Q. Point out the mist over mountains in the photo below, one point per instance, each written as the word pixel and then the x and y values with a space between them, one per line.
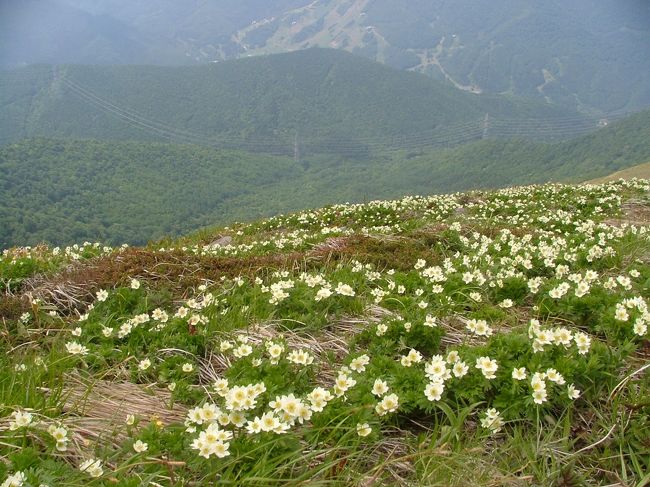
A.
pixel 587 54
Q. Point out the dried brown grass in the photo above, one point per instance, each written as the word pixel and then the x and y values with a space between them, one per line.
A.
pixel 332 340
pixel 75 286
pixel 94 412
pixel 110 402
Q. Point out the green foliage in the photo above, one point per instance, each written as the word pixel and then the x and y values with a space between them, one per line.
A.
pixel 332 101
pixel 63 191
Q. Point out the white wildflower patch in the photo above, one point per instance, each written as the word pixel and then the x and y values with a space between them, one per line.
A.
pixel 522 301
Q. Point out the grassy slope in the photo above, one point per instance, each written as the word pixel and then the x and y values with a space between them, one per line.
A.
pixel 641 171
pixel 599 438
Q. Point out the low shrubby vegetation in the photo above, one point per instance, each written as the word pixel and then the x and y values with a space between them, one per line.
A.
pixel 485 338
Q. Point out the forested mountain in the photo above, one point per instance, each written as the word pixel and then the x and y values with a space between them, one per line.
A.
pixel 64 191
pixel 590 54
pixel 319 100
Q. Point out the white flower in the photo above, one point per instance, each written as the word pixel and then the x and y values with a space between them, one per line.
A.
pixel 640 328
pixel 621 314
pixel 388 404
pixel 319 398
pixel 75 348
pixel 430 321
pixel 188 367
pixel 160 315
pixel 413 357
pixel 539 397
pixel 559 291
pixel 221 386
pixel 519 373
pixel 342 383
pixel 379 388
pixel 144 364
pixel 363 429
pixel 300 357
pixel 140 446
pixel 562 336
pixel 506 303
pixel 492 420
pixel 254 426
pixel 359 364
pixel 59 433
pixel 323 293
pixel 15 480
pixel 76 331
pixel 583 341
pixel 135 284
pixel 130 419
pixel 434 391
pixel 243 350
pixel 344 289
pixel 476 296
pixel 453 357
pixel 20 419
pixel 487 366
pixel 436 369
pixel 582 289
pixel 460 369
pixel 92 467
pixel 479 327
pixel 573 392
pixel 102 294
pixel 554 376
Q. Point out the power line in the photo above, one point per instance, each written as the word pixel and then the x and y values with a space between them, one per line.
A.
pixel 543 129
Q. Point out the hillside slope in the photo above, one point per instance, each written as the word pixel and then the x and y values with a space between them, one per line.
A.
pixel 64 190
pixel 471 339
pixel 61 191
pixel 641 171
pixel 329 99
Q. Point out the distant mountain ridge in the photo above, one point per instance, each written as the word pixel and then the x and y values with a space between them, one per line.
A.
pixel 316 100
pixel 587 54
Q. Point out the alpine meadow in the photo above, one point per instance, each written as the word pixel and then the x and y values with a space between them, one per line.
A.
pixel 324 243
